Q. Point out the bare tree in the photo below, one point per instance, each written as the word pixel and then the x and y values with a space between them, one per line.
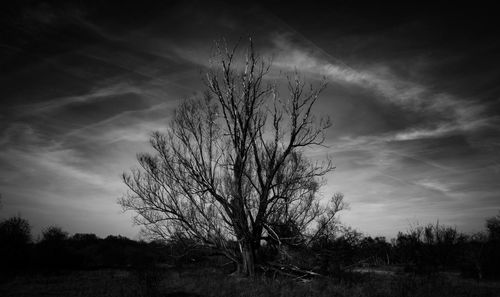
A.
pixel 231 168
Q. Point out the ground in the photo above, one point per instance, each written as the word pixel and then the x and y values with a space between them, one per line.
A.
pixel 214 282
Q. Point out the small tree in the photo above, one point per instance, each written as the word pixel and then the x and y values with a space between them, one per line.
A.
pixel 15 240
pixel 231 166
pixel 54 234
pixel 493 226
pixel 15 232
pixel 53 249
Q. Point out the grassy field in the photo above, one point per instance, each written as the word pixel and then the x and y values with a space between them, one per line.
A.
pixel 213 282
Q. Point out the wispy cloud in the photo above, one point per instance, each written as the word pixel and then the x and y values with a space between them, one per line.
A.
pixel 131 126
pixel 46 156
pixel 92 95
pixel 451 114
pixel 433 185
pixel 48 180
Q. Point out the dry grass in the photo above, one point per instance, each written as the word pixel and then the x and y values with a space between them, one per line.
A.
pixel 213 282
pixel 367 285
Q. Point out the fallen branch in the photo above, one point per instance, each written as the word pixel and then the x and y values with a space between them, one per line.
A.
pixel 291 271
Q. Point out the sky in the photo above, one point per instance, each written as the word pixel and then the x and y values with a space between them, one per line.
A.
pixel 413 93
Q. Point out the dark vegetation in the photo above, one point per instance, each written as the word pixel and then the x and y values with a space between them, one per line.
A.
pixel 424 261
pixel 57 251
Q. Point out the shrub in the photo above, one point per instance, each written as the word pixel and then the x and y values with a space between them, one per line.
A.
pixel 15 238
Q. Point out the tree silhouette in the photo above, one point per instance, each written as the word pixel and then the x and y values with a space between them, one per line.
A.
pixel 53 249
pixel 493 226
pixel 15 240
pixel 54 234
pixel 231 169
pixel 15 232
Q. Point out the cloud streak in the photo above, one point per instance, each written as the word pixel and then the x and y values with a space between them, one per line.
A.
pixel 452 114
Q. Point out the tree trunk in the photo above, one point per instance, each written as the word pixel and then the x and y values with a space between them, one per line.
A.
pixel 247 266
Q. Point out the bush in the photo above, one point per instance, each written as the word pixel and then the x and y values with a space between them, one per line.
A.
pixel 493 226
pixel 15 238
pixel 53 252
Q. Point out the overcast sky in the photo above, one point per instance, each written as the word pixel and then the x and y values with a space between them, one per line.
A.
pixel 413 93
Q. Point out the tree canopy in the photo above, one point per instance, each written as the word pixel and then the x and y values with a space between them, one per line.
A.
pixel 231 170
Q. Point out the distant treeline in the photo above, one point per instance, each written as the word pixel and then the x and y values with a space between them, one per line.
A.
pixel 421 250
pixel 57 251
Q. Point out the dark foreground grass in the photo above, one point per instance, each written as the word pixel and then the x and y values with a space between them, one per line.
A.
pixel 212 282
